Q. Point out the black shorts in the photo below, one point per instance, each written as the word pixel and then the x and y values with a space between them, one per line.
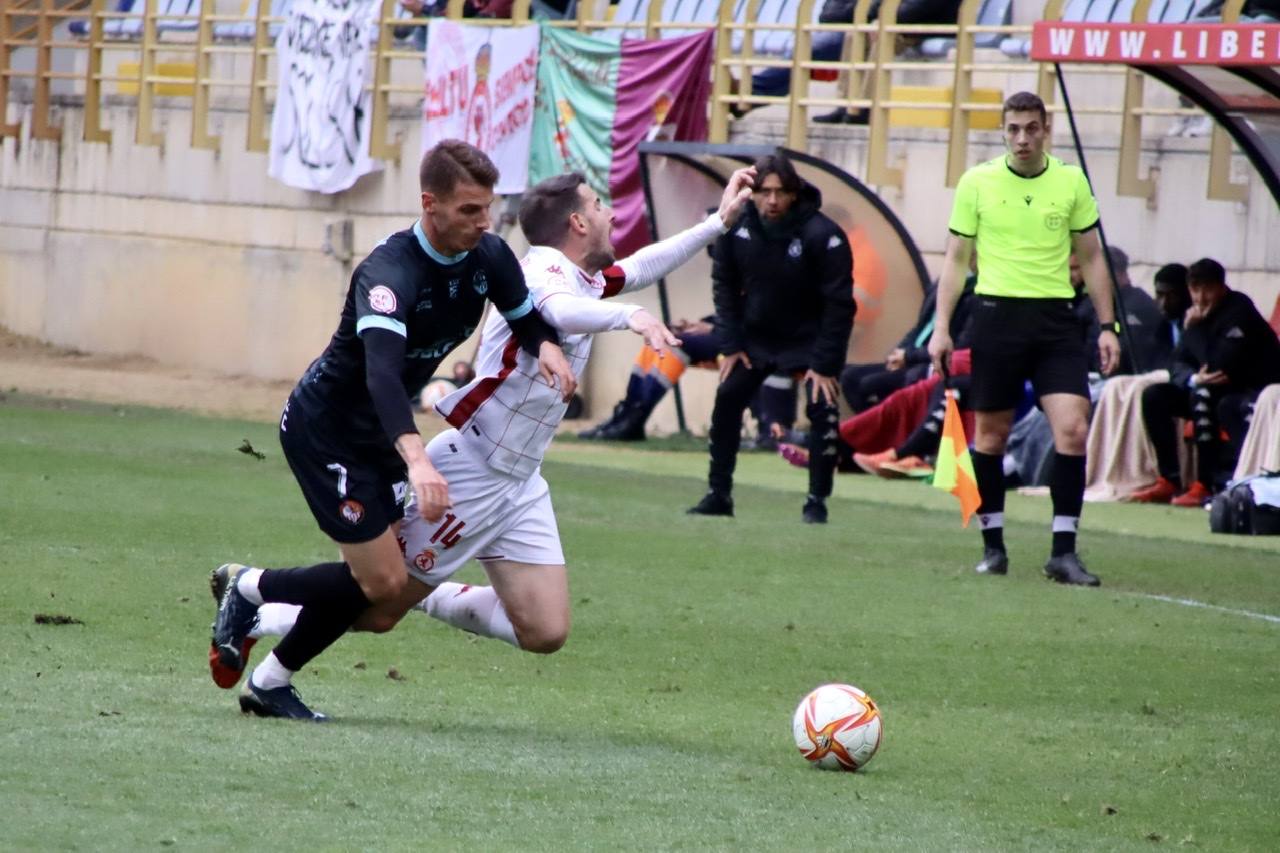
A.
pixel 351 500
pixel 1019 339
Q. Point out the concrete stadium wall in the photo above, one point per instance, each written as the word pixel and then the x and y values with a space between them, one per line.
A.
pixel 198 259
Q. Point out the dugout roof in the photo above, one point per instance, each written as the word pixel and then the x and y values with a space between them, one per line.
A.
pixel 1231 71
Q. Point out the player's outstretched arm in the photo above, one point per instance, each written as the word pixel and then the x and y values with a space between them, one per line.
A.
pixel 653 330
pixel 574 314
pixel 656 261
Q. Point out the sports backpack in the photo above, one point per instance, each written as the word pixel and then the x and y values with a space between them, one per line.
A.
pixel 1250 506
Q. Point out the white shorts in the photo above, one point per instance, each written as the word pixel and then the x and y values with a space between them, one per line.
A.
pixel 494 517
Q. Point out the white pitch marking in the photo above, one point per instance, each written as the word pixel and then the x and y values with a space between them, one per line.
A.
pixel 1191 602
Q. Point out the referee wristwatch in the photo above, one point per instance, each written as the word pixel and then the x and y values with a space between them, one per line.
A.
pixel 1113 326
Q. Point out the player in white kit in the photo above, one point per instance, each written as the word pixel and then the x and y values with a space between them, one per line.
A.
pixel 503 421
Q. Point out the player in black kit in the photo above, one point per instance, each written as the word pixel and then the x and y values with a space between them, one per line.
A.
pixel 348 431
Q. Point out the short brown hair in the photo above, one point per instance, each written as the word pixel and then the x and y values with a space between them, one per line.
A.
pixel 1024 102
pixel 776 164
pixel 546 207
pixel 451 162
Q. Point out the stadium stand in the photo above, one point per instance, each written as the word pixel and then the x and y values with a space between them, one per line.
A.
pixel 243 30
pixel 631 12
pixel 130 27
pixel 767 42
pixel 778 42
pixel 689 12
pixel 993 13
pixel 1112 11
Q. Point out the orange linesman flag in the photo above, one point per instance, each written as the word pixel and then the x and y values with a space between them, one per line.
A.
pixel 954 471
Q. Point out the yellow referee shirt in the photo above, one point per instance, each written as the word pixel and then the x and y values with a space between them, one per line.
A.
pixel 1023 226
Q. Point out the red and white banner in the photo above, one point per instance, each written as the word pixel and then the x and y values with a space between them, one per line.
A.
pixel 479 88
pixel 1156 44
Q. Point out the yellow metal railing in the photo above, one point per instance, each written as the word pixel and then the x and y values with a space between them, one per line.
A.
pixel 867 67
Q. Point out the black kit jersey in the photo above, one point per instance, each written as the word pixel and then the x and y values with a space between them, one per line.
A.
pixel 434 301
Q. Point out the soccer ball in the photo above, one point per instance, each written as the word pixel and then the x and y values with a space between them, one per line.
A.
pixel 837 727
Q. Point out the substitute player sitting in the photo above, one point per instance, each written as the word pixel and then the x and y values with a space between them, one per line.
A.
pixel 1025 213
pixel 503 421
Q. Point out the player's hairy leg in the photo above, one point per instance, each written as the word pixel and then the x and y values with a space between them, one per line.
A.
pixel 385 615
pixel 1068 416
pixel 536 599
pixel 377 566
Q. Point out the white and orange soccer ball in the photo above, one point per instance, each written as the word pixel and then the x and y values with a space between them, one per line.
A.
pixel 837 727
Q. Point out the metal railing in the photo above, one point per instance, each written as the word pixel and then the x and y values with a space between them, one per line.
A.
pixel 867 67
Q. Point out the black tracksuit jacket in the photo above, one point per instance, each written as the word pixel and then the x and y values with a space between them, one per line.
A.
pixel 1235 339
pixel 784 295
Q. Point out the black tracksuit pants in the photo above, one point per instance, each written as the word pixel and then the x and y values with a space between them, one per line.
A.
pixel 732 398
pixel 1208 409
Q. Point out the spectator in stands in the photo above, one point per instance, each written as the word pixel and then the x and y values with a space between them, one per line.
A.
pixel 864 385
pixel 910 12
pixel 824 47
pixel 655 372
pixel 783 288
pixel 416 33
pixel 828 46
pixel 1256 11
pixel 1224 359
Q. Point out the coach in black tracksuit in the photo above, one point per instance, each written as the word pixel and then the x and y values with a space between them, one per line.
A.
pixel 783 287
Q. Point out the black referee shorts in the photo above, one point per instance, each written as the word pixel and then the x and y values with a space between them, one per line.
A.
pixel 351 500
pixel 1019 339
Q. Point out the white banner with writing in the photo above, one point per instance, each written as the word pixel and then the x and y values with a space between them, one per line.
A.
pixel 479 88
pixel 320 126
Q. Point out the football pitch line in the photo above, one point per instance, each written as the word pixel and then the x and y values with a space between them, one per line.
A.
pixel 1191 602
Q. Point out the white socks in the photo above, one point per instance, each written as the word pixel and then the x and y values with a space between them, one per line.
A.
pixel 271 674
pixel 275 620
pixel 247 583
pixel 476 609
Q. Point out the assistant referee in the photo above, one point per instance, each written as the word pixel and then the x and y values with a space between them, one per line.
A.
pixel 1026 213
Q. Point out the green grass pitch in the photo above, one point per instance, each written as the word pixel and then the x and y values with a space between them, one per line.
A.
pixel 1018 715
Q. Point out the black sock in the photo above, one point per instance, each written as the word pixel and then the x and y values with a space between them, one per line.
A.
pixel 331 602
pixel 1066 489
pixel 315 630
pixel 315 586
pixel 988 469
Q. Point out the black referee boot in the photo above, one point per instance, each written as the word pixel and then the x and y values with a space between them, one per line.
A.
pixel 814 512
pixel 994 562
pixel 1068 569
pixel 712 503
